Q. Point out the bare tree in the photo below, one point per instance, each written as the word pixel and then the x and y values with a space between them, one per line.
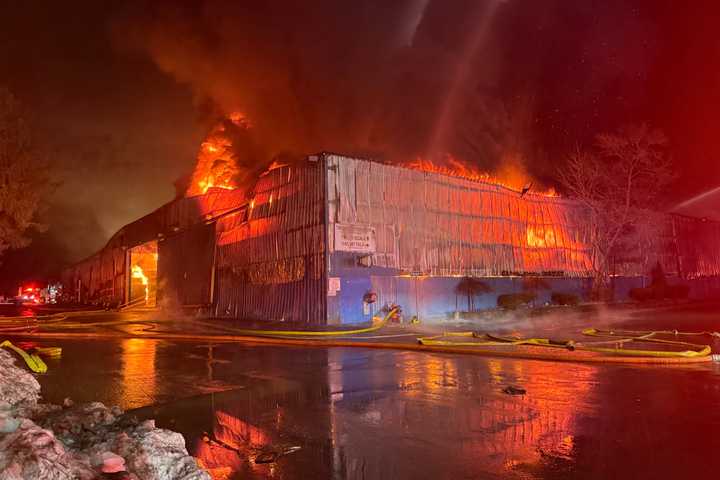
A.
pixel 619 182
pixel 24 176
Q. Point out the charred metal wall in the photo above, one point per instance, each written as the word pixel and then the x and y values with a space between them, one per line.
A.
pixel 312 239
pixel 697 244
pixel 99 278
pixel 184 213
pixel 271 258
pixel 410 236
pixel 442 225
pixel 686 247
pixel 185 266
pixel 188 245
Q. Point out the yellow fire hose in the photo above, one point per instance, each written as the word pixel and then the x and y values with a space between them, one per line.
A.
pixel 50 352
pixel 33 361
pixel 558 355
pixel 602 351
pixel 694 351
pixel 632 333
pixel 378 323
pixel 57 321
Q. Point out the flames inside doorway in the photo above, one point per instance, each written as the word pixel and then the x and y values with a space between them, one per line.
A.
pixel 143 274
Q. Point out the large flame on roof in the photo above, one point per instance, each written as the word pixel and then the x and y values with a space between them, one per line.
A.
pixel 509 175
pixel 216 165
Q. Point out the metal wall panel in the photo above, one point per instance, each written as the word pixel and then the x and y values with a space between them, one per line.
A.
pixel 271 263
pixel 185 266
pixel 697 244
pixel 447 226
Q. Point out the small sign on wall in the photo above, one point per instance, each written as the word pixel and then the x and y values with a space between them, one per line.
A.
pixel 354 238
pixel 333 286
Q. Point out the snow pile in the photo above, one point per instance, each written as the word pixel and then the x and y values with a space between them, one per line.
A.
pixel 158 453
pixel 32 452
pixel 18 388
pixel 81 442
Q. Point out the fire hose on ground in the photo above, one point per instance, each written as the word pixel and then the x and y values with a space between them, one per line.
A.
pixel 608 350
pixel 694 351
pixel 32 360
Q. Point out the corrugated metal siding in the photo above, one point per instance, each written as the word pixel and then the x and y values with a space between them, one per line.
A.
pixel 185 266
pixel 185 212
pixel 103 277
pixel 446 226
pixel 685 247
pixel 270 259
pixel 698 247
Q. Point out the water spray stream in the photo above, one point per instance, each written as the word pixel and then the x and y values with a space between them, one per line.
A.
pixel 697 198
pixel 414 18
pixel 476 40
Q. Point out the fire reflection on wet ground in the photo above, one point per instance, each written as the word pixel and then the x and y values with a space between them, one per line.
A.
pixel 138 371
pixel 354 413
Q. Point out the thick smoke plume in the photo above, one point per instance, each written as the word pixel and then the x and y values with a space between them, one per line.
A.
pixel 365 78
pixel 397 81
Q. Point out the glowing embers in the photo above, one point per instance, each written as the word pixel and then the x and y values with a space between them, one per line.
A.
pixel 216 165
pixel 143 261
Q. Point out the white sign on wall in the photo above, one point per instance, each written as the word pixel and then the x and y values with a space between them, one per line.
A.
pixel 354 238
pixel 333 286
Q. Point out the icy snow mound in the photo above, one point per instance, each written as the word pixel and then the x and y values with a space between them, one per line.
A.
pixel 18 388
pixel 52 442
pixel 32 452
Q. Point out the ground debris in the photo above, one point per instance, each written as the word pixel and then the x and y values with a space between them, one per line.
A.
pixel 267 457
pixel 86 441
pixel 271 456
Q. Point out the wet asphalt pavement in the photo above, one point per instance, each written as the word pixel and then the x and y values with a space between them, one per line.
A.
pixel 360 413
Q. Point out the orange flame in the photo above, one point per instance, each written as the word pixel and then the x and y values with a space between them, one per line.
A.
pixel 540 237
pixel 509 176
pixel 216 166
pixel 137 272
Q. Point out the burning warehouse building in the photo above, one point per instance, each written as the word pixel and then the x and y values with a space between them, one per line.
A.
pixel 166 253
pixel 333 239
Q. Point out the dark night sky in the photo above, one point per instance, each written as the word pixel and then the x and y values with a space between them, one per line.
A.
pixel 122 92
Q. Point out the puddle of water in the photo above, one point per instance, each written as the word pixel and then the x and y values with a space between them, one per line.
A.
pixel 366 414
pixel 371 414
